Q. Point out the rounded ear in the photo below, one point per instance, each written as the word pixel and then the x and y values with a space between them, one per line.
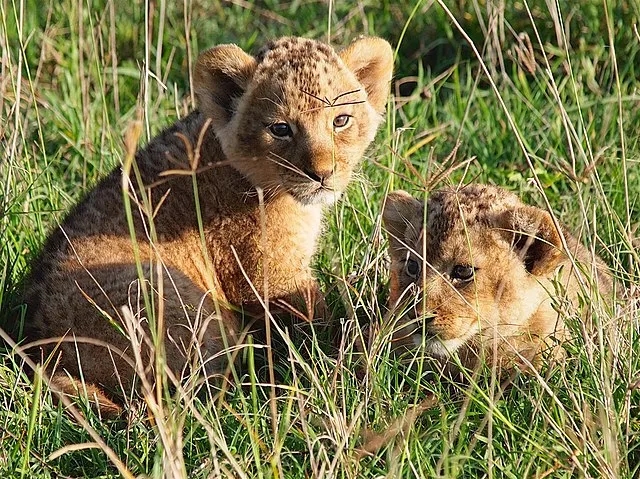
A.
pixel 534 237
pixel 371 60
pixel 402 211
pixel 221 76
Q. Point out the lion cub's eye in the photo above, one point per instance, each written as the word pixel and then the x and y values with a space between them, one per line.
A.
pixel 462 272
pixel 341 121
pixel 412 267
pixel 280 129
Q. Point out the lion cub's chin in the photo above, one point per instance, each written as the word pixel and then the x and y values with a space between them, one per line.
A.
pixel 320 196
pixel 436 347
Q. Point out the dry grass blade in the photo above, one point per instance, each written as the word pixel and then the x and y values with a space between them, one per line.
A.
pixel 73 410
pixel 538 97
pixel 374 441
pixel 72 447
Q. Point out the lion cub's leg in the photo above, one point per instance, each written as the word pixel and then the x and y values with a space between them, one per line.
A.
pixel 115 336
pixel 72 388
pixel 306 303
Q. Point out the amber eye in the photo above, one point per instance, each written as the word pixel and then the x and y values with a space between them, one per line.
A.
pixel 462 272
pixel 412 267
pixel 341 121
pixel 281 129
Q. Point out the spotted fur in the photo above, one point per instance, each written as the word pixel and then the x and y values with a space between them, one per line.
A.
pixel 474 271
pixel 87 270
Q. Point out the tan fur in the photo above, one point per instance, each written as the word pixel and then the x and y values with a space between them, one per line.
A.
pixel 69 386
pixel 506 306
pixel 87 271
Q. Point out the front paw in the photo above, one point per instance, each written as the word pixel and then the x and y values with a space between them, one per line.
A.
pixel 307 304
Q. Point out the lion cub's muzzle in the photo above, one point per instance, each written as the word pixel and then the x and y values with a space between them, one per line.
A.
pixel 318 186
pixel 415 321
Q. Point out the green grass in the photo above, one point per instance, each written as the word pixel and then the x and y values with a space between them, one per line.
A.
pixel 554 116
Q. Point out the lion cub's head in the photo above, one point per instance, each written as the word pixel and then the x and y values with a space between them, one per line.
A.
pixel 298 116
pixel 471 270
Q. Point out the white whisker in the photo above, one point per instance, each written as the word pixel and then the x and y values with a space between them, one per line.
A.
pixel 283 162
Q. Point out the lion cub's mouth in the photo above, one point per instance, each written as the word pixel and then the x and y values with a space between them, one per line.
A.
pixel 437 347
pixel 314 193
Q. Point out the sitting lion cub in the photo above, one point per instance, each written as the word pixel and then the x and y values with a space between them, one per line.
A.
pixel 236 192
pixel 474 271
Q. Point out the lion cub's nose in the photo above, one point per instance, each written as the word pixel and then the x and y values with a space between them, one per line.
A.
pixel 321 176
pixel 428 318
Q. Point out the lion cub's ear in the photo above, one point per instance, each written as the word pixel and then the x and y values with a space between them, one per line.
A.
pixel 371 59
pixel 402 218
pixel 534 237
pixel 221 75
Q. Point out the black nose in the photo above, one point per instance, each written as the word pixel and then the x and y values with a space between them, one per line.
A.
pixel 319 176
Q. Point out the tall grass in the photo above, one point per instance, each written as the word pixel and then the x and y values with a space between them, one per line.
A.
pixel 539 97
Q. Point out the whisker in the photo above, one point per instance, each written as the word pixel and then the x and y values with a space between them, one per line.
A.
pixel 272 190
pixel 344 94
pixel 309 110
pixel 272 100
pixel 355 102
pixel 268 189
pixel 321 100
pixel 316 108
pixel 287 165
pixel 282 158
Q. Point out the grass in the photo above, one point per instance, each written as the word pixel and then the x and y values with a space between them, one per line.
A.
pixel 539 97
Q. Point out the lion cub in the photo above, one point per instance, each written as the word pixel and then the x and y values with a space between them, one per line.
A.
pixel 474 271
pixel 274 140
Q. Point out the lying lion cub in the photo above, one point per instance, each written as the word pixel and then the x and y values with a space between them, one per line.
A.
pixel 474 271
pixel 236 191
